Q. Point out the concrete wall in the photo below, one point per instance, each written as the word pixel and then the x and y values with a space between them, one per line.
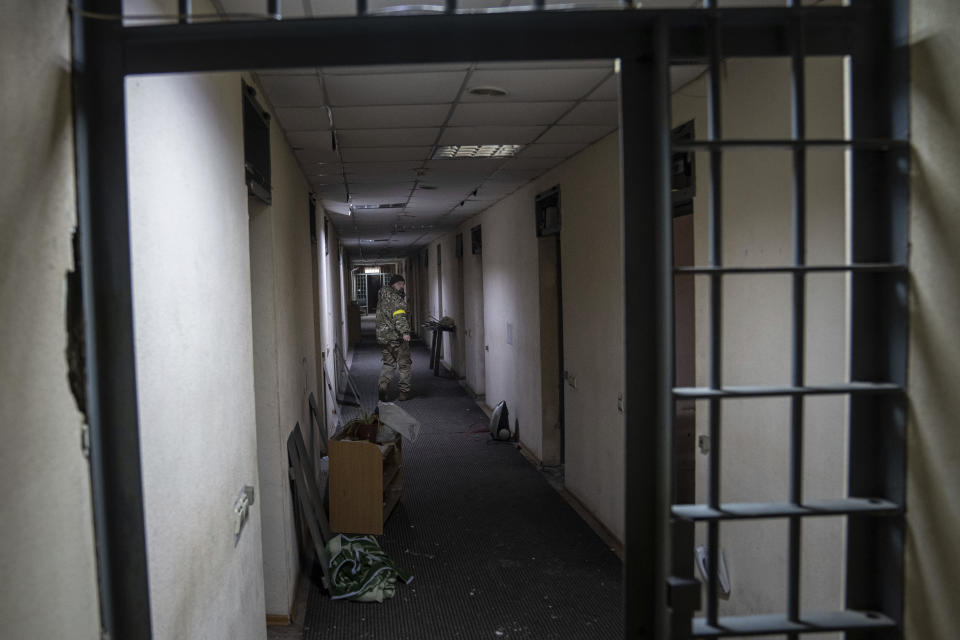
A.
pixel 757 192
pixel 933 446
pixel 193 339
pixel 284 357
pixel 47 556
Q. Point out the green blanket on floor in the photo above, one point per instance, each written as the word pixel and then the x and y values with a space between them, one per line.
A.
pixel 361 571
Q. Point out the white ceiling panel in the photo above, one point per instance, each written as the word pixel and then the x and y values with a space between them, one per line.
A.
pixel 311 156
pixel 684 75
pixel 380 168
pixel 293 91
pixel 514 113
pixel 311 140
pixel 606 113
pixel 584 133
pixel 536 85
pixel 490 135
pixel 471 166
pixel 609 90
pixel 332 192
pixel 392 191
pixel 388 137
pixel 407 88
pixel 533 163
pixel 303 118
pixel 541 150
pixel 395 68
pixel 385 154
pixel 329 8
pixel 546 64
pixel 390 116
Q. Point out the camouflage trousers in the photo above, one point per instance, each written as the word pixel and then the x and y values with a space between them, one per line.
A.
pixel 396 355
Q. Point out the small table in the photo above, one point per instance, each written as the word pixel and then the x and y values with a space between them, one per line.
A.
pixel 436 348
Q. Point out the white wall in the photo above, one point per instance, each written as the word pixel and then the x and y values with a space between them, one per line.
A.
pixel 452 359
pixel 757 192
pixel 47 556
pixel 933 445
pixel 333 315
pixel 194 353
pixel 285 355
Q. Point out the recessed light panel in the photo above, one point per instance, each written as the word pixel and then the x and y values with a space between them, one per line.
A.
pixel 477 151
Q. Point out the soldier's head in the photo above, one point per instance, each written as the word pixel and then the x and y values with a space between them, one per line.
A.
pixel 397 282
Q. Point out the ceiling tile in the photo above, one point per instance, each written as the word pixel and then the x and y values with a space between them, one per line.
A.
pixel 513 113
pixel 311 156
pixel 392 191
pixel 606 113
pixel 609 90
pixel 490 135
pixel 404 88
pixel 327 8
pixel 318 140
pixel 477 166
pixel 606 64
pixel 536 85
pixel 584 133
pixel 540 150
pixel 682 75
pixel 384 154
pixel 303 118
pixel 395 68
pixel 533 163
pixel 293 91
pixel 388 137
pixel 390 116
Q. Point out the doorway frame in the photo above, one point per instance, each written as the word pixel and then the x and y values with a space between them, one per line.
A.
pixel 646 41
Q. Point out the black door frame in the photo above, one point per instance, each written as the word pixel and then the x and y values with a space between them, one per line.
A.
pixel 646 42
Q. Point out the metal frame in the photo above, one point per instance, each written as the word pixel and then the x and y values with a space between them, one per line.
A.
pixel 660 591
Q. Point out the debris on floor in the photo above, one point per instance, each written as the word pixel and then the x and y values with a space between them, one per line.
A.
pixel 361 571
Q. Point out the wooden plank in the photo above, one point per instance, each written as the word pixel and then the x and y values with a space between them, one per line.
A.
pixel 356 487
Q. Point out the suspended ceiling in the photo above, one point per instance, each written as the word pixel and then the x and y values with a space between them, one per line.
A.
pixel 366 136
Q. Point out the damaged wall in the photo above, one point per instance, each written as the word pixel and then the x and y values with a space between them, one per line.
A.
pixel 47 556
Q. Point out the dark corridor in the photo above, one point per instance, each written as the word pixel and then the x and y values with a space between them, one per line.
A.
pixel 494 550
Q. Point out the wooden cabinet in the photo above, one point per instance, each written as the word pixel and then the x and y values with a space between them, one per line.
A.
pixel 366 481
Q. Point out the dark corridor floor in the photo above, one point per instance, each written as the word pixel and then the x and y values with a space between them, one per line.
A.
pixel 495 551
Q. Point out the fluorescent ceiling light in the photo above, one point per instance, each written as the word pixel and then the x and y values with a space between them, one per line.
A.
pixel 477 151
pixel 386 205
pixel 371 269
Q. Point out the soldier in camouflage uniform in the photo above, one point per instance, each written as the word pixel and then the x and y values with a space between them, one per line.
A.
pixel 393 334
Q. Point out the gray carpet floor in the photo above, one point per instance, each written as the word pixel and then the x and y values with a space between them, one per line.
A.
pixel 495 551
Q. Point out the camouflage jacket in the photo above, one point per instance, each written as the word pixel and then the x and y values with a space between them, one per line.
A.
pixel 392 321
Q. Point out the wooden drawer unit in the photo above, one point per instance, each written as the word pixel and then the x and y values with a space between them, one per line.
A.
pixel 366 481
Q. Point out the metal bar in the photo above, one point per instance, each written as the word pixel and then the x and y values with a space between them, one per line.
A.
pixel 852 388
pixel 715 133
pixel 451 6
pixel 878 325
pixel 813 622
pixel 540 35
pixel 108 322
pixel 798 133
pixel 274 10
pixel 821 268
pixel 879 144
pixel 648 411
pixel 184 11
pixel 814 508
